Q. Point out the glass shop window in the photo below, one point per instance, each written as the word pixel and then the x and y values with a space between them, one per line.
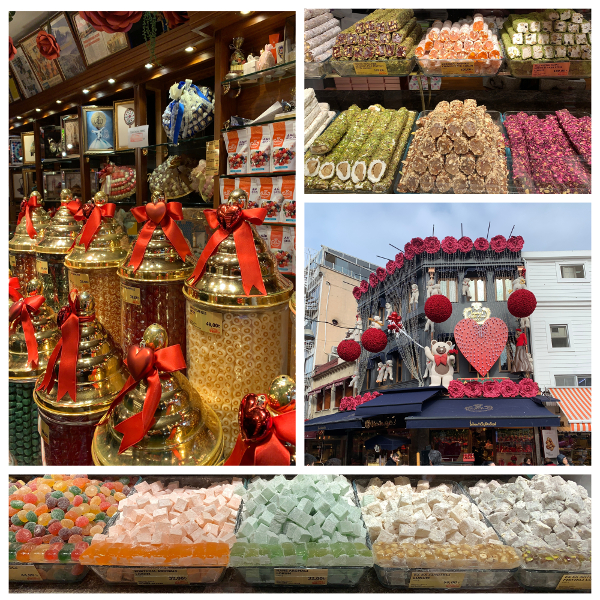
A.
pixel 572 272
pixel 449 288
pixel 559 336
pixel 326 399
pixel 506 357
pixel 503 288
pixel 477 289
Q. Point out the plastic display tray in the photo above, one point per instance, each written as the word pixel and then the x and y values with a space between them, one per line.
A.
pixel 71 572
pixel 393 67
pixel 318 70
pixel 578 69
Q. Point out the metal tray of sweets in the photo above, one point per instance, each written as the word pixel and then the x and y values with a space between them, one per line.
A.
pixel 422 578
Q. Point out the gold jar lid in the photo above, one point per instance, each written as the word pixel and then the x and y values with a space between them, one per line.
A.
pixel 221 284
pixel 293 303
pixel 21 242
pixel 185 432
pixel 107 249
pixel 100 375
pixel 61 231
pixel 47 335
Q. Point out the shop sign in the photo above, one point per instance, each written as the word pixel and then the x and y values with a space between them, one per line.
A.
pixel 371 423
pixel 479 408
pixel 482 424
pixel 550 440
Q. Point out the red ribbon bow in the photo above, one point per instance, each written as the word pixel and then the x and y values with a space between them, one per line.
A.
pixel 269 451
pixel 26 212
pixel 232 219
pixel 165 215
pixel 20 314
pixel 93 223
pixel 74 207
pixel 67 350
pixel 144 363
pixel 13 288
pixel 443 359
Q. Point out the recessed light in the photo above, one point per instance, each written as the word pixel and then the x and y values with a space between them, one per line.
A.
pixel 86 91
pixel 190 49
pixel 38 110
pixel 111 80
pixel 245 12
pixel 59 102
pixel 148 65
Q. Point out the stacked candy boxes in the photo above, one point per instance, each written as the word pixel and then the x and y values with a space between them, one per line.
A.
pixel 307 522
pixel 53 519
pixel 415 527
pixel 160 527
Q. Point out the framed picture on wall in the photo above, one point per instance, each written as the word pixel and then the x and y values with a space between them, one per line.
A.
pixel 70 127
pixel 97 44
pixel 72 180
pixel 24 74
pixel 124 119
pixel 98 131
pixel 28 148
pixel 52 185
pixel 46 71
pixel 15 150
pixel 18 186
pixel 13 90
pixel 70 59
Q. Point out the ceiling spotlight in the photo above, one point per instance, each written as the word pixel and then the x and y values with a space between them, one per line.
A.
pixel 38 110
pixel 148 65
pixel 111 80
pixel 190 49
pixel 59 102
pixel 86 91
pixel 245 12
pixel 19 117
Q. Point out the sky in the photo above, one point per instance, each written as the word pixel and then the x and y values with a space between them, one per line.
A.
pixel 365 230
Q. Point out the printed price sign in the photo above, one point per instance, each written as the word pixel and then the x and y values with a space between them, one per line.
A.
pixel 301 576
pixel 131 295
pixel 12 260
pixel 81 281
pixel 41 266
pixel 370 68
pixel 23 573
pixel 460 68
pixel 436 580
pixel 160 577
pixel 550 69
pixel 207 321
pixel 212 158
pixel 575 582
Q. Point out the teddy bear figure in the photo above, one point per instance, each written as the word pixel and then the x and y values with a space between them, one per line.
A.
pixel 441 371
pixel 354 381
pixel 380 372
pixel 387 371
pixel 376 322
pixel 428 325
pixel 388 310
pixel 357 331
pixel 414 296
pixel 519 284
pixel 524 322
pixel 430 285
pixel 465 289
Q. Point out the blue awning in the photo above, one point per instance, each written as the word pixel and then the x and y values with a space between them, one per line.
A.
pixel 482 412
pixel 397 402
pixel 338 420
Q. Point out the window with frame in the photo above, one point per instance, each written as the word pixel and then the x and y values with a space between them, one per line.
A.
pixel 503 288
pixel 559 336
pixel 326 399
pixel 339 393
pixel 477 289
pixel 506 358
pixel 449 287
pixel 573 380
pixel 319 401
pixel 398 370
pixel 572 271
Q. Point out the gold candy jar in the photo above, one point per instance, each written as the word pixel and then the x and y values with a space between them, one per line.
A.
pixel 187 432
pixel 248 346
pixel 154 293
pixel 23 436
pixel 21 248
pixel 53 245
pixel 95 269
pixel 67 425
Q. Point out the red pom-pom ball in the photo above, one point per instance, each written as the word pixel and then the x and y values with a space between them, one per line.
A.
pixel 521 303
pixel 373 340
pixel 438 308
pixel 348 350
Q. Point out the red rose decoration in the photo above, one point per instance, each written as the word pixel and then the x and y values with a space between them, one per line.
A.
pixel 491 389
pixel 508 388
pixel 498 243
pixel 449 245
pixel 348 350
pixel 47 45
pixel 473 389
pixel 12 51
pixel 175 18
pixel 438 308
pixel 373 280
pixel 456 389
pixel 521 303
pixel 465 244
pixel 399 260
pixel 432 245
pixel 528 388
pixel 381 273
pixel 481 244
pixel 418 245
pixel 357 293
pixel 117 21
pixel 374 340
pixel 390 267
pixel 515 243
pixel 364 286
pixel 409 252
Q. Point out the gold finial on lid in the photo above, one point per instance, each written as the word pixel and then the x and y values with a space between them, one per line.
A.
pixel 155 337
pixel 100 198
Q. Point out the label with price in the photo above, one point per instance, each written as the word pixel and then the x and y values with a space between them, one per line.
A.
pixel 301 576
pixel 131 295
pixel 210 322
pixel 575 582
pixel 460 68
pixel 44 431
pixel 370 68
pixel 441 580
pixel 161 576
pixel 41 266
pixel 550 69
pixel 81 281
pixel 23 573
pixel 12 260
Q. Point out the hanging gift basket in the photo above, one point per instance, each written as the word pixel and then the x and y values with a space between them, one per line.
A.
pixel 118 182
pixel 190 112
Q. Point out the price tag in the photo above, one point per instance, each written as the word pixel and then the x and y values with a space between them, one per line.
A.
pixel 212 158
pixel 575 582
pixel 23 573
pixel 131 295
pixel 41 266
pixel 210 322
pixel 12 260
pixel 301 576
pixel 161 576
pixel 44 430
pixel 457 68
pixel 550 69
pixel 445 581
pixel 81 281
pixel 370 68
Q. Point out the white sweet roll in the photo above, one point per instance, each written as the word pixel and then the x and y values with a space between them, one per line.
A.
pixel 320 29
pixel 324 47
pixel 322 37
pixel 309 94
pixel 324 56
pixel 324 106
pixel 330 116
pixel 311 105
pixel 318 20
pixel 311 116
pixel 317 121
pixel 310 13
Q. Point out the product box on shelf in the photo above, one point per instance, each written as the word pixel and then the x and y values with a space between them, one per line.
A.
pixel 271 197
pixel 282 243
pixel 283 157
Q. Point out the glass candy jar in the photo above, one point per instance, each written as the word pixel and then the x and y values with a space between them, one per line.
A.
pixel 21 248
pixel 154 292
pixel 53 244
pixel 95 269
pixel 236 344
pixel 23 436
pixel 67 425
pixel 186 431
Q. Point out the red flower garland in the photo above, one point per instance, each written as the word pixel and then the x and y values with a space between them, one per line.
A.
pixel 12 51
pixel 357 293
pixel 409 252
pixel 175 18
pixel 47 45
pixel 364 286
pixel 521 303
pixel 431 244
pixel 438 308
pixel 118 21
pixel 374 340
pixel 491 389
pixel 373 280
pixel 381 273
pixel 449 245
pixel 481 244
pixel 390 267
pixel 418 245
pixel 399 260
pixel 473 389
pixel 348 350
pixel 498 243
pixel 465 244
pixel 515 243
pixel 509 388
pixel 528 388
pixel 456 389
